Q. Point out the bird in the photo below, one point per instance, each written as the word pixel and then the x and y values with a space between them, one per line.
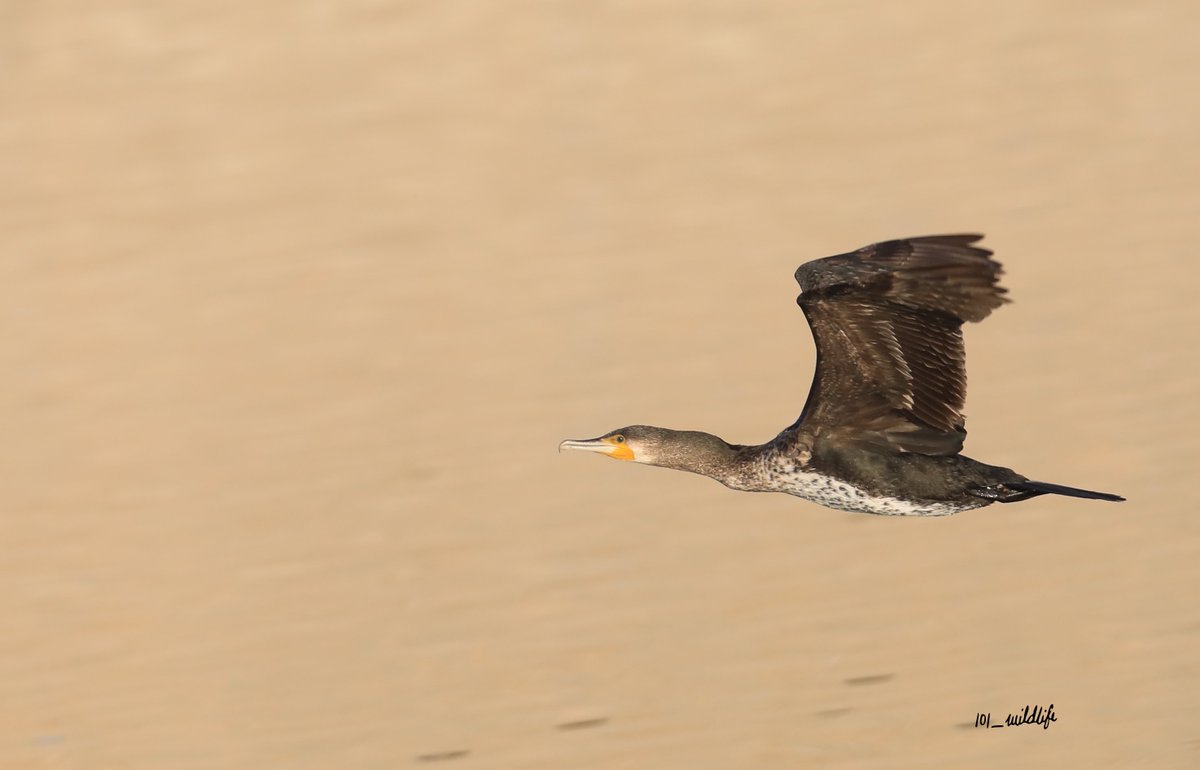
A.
pixel 882 429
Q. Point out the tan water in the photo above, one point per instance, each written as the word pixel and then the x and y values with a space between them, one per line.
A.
pixel 298 299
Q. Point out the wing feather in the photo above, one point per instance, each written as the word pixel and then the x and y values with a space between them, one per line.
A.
pixel 887 323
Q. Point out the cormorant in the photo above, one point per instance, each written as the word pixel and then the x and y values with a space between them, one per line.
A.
pixel 883 426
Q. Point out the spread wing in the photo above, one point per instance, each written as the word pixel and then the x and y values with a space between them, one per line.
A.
pixel 887 324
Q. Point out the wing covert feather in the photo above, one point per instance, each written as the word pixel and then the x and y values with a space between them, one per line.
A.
pixel 887 322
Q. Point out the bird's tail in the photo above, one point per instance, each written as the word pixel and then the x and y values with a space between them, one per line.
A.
pixel 1023 490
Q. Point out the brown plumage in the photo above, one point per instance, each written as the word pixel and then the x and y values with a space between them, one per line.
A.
pixel 887 322
pixel 883 426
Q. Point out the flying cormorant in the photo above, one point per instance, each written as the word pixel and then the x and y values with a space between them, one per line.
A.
pixel 883 426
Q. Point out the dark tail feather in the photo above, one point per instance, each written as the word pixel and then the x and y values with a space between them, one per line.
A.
pixel 1027 489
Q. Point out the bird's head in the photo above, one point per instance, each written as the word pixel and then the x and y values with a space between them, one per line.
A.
pixel 681 449
pixel 635 442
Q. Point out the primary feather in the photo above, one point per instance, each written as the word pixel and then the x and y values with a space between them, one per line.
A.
pixel 887 322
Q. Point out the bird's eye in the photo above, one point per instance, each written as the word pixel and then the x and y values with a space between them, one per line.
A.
pixel 619 438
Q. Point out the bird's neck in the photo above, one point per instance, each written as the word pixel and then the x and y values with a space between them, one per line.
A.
pixel 697 452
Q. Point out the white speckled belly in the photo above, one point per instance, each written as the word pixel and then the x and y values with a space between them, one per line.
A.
pixel 835 493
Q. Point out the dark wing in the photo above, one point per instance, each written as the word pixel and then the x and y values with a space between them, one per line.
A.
pixel 887 323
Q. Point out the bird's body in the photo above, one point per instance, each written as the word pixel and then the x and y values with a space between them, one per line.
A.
pixel 870 481
pixel 882 428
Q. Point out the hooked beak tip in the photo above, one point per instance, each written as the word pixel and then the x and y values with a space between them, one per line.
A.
pixel 588 445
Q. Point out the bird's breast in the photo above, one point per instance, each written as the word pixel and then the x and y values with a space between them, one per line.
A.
pixel 832 492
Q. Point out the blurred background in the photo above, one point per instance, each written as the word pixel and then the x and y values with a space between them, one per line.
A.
pixel 298 299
